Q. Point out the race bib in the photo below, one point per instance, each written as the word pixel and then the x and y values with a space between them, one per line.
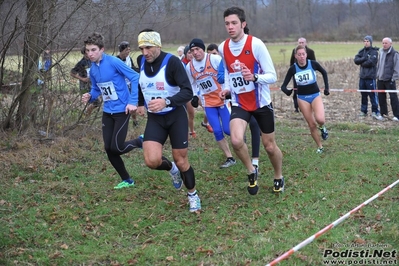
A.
pixel 238 84
pixel 108 91
pixel 305 77
pixel 154 94
pixel 207 85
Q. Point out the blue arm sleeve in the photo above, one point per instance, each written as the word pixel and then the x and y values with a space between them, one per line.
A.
pixel 221 73
pixel 95 91
pixel 134 94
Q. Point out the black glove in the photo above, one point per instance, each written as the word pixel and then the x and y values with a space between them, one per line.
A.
pixel 326 92
pixel 194 101
pixel 286 91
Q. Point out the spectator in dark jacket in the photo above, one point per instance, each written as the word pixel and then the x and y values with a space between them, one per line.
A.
pixel 367 59
pixel 311 56
pixel 81 71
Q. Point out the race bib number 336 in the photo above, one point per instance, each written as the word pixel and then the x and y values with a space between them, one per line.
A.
pixel 238 84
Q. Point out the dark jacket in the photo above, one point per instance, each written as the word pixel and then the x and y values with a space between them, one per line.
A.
pixel 81 69
pixel 367 58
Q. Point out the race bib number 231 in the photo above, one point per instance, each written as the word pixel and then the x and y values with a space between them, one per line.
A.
pixel 108 91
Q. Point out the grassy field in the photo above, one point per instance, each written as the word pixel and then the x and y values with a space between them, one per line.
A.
pixel 280 53
pixel 58 205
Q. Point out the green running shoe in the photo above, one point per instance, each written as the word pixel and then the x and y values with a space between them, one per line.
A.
pixel 124 184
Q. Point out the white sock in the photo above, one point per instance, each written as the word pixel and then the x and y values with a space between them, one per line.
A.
pixel 192 193
pixel 174 168
pixel 255 162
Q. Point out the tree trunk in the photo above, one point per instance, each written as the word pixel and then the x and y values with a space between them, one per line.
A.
pixel 33 47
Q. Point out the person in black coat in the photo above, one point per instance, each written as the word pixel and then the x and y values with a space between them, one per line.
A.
pixel 367 59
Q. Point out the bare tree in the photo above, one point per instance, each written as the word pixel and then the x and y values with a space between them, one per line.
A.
pixel 39 34
pixel 32 51
pixel 60 25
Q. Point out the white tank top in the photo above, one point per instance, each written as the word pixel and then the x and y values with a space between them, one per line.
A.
pixel 157 87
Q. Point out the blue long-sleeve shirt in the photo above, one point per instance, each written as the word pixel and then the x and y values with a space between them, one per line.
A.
pixel 221 73
pixel 108 78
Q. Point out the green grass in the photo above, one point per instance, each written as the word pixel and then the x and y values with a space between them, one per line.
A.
pixel 58 205
pixel 280 53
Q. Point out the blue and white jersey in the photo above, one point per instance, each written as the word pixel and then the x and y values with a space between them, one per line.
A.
pixel 305 76
pixel 157 87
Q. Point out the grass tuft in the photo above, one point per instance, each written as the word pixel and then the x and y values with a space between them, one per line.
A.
pixel 58 205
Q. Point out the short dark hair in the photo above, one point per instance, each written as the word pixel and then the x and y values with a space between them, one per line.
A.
pixel 95 39
pixel 211 47
pixel 146 30
pixel 83 50
pixel 235 11
pixel 240 14
pixel 123 45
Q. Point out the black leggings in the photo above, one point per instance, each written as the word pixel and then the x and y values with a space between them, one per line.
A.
pixel 115 128
pixel 255 137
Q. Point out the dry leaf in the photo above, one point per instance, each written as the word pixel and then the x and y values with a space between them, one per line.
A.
pixel 360 241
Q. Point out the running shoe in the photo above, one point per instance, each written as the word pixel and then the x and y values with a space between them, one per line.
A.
pixel 395 119
pixel 324 132
pixel 124 184
pixel 320 150
pixel 278 185
pixel 362 114
pixel 176 178
pixel 229 162
pixel 141 137
pixel 195 202
pixel 253 183
pixel 207 126
pixel 377 116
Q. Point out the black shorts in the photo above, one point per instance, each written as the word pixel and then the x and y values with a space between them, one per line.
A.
pixel 173 124
pixel 264 116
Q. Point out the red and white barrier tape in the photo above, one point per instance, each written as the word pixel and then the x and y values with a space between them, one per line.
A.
pixel 332 225
pixel 342 90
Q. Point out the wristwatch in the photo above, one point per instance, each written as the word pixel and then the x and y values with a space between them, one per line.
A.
pixel 255 77
pixel 167 102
